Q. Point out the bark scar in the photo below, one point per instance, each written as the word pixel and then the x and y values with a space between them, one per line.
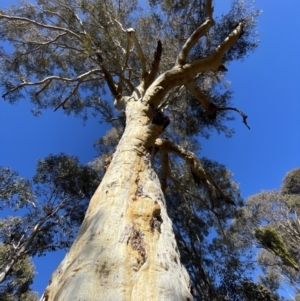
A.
pixel 138 244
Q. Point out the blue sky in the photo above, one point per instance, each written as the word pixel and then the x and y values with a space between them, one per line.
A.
pixel 266 87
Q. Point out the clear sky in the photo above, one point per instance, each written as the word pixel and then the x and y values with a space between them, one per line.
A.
pixel 267 89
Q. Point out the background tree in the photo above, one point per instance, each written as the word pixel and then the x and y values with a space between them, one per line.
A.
pixel 68 54
pixel 16 285
pixel 271 222
pixel 44 215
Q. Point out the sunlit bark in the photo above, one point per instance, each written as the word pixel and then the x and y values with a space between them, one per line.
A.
pixel 125 249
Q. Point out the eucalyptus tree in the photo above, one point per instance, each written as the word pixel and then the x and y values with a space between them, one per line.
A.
pixel 16 286
pixel 164 64
pixel 42 216
pixel 270 221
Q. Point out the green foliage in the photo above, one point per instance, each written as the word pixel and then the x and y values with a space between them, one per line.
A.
pixel 291 182
pixel 53 206
pixel 15 192
pixel 16 286
pixel 270 220
pixel 273 241
pixel 257 292
pixel 56 58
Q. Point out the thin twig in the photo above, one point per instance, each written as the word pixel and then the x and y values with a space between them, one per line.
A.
pixel 74 90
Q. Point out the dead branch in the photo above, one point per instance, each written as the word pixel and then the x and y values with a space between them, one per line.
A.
pixel 155 64
pixel 237 110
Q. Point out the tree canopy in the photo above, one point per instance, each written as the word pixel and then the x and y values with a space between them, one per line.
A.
pixel 270 221
pixel 98 57
pixel 43 216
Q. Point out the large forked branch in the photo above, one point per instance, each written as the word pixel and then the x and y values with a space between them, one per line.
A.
pixel 182 75
pixel 201 175
pixel 197 34
pixel 50 27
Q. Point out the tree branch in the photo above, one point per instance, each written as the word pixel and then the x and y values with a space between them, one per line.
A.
pixel 79 78
pixel 237 110
pixel 208 106
pixel 140 53
pixel 181 75
pixel 125 80
pixel 51 27
pixel 197 34
pixel 74 90
pixel 49 42
pixel 197 169
pixel 180 187
pixel 23 248
pixel 155 64
pixel 109 80
pixel 192 40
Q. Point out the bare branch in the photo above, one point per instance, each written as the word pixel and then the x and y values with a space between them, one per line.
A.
pixel 125 80
pixel 51 27
pixel 180 75
pixel 192 40
pixel 71 11
pixel 197 34
pixel 140 53
pixel 127 51
pixel 155 64
pixel 49 42
pixel 178 185
pixel 45 81
pixel 110 82
pixel 44 87
pixel 237 110
pixel 231 39
pixel 121 26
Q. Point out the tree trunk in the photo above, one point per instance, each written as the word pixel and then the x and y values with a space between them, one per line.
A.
pixel 125 248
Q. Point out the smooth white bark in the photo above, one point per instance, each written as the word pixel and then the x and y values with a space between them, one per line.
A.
pixel 125 249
